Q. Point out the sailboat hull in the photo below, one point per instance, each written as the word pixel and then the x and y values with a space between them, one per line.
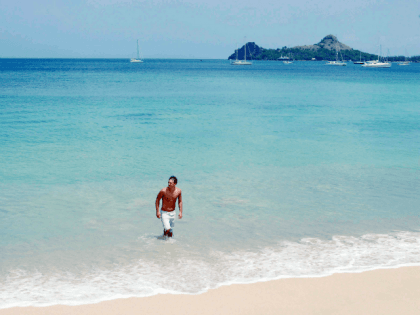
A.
pixel 336 63
pixel 241 63
pixel 377 65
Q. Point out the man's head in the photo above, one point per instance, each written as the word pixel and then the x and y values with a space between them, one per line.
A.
pixel 172 181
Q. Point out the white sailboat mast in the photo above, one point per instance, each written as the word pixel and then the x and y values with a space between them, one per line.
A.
pixel 380 52
pixel 336 52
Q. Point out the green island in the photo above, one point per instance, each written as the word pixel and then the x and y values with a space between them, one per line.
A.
pixel 324 50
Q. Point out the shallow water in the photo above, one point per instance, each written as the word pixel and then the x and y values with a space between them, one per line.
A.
pixel 286 170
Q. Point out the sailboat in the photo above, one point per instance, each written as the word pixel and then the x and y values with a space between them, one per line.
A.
pixel 406 62
pixel 359 62
pixel 241 62
pixel 138 55
pixel 287 62
pixel 377 63
pixel 336 62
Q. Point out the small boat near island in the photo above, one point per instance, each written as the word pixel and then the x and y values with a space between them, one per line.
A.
pixel 336 62
pixel 238 62
pixel 377 63
pixel 406 62
pixel 288 62
pixel 359 62
pixel 136 60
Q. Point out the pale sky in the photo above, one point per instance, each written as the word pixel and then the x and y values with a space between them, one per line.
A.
pixel 201 28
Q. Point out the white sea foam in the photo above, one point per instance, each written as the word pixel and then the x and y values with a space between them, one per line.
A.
pixel 310 257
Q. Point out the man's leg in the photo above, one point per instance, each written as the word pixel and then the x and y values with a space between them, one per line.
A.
pixel 165 223
pixel 171 223
pixel 168 219
pixel 167 233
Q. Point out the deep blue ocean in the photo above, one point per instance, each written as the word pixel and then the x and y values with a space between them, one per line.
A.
pixel 298 170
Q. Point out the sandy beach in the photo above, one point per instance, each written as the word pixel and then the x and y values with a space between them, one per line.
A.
pixel 386 291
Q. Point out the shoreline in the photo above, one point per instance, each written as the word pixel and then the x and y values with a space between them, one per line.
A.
pixel 379 291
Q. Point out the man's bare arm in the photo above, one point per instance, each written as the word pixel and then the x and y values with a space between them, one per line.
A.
pixel 180 205
pixel 159 196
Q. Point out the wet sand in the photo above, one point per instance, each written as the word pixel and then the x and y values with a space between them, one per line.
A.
pixel 386 291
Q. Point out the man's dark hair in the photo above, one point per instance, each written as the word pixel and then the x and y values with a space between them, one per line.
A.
pixel 174 178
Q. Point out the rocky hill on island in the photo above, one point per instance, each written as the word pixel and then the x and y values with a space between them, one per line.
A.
pixel 324 50
pixel 329 42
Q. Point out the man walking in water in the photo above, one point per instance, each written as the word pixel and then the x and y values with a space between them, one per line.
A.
pixel 169 195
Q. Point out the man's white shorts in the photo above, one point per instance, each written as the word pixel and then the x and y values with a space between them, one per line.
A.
pixel 168 219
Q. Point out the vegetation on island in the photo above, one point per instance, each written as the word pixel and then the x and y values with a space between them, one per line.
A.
pixel 324 50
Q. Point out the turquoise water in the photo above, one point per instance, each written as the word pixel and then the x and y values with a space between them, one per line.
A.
pixel 286 170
